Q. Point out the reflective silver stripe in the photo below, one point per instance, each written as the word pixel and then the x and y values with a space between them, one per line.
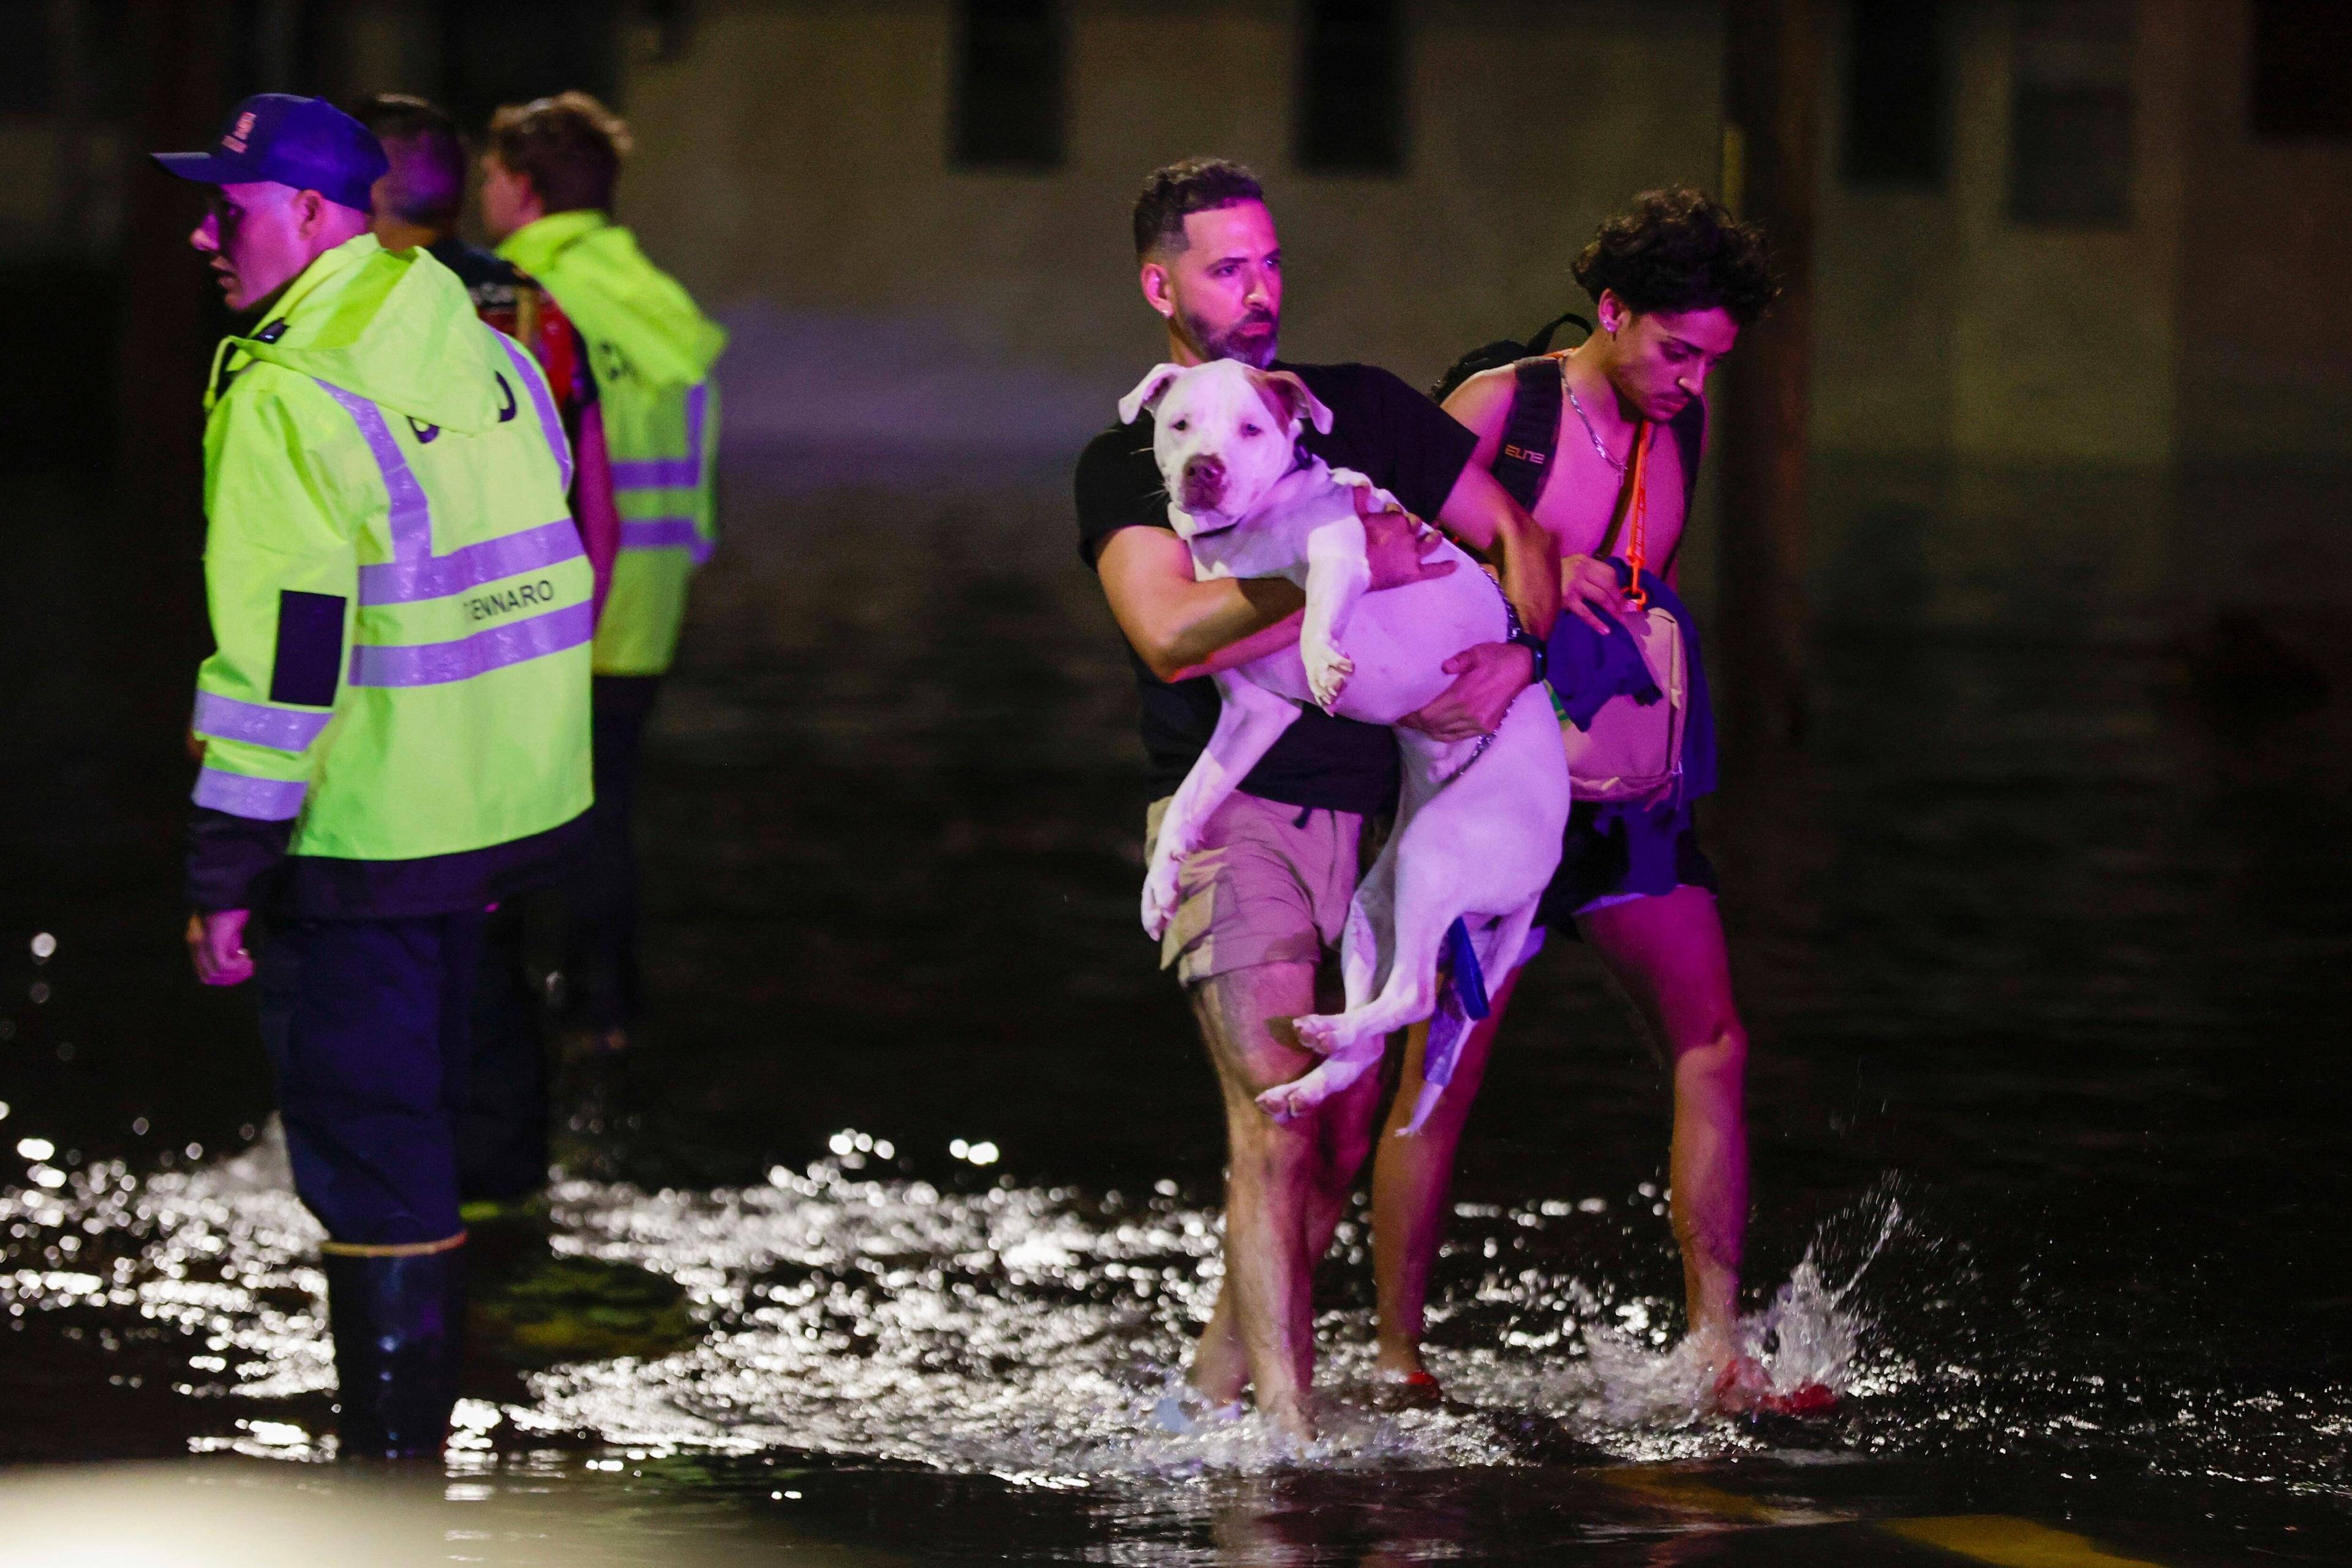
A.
pixel 226 719
pixel 412 514
pixel 438 576
pixel 542 401
pixel 262 800
pixel 438 663
pixel 415 572
pixel 671 473
pixel 657 474
pixel 665 534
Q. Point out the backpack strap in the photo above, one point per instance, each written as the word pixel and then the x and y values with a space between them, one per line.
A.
pixel 1531 433
pixel 1541 343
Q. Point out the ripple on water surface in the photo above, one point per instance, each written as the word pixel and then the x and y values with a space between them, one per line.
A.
pixel 1037 1333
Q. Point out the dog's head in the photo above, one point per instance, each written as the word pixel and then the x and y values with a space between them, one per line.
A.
pixel 1225 433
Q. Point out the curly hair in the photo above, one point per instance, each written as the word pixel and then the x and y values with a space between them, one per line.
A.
pixel 1172 193
pixel 1680 249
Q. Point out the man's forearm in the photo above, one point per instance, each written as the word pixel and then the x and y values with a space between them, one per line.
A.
pixel 1528 562
pixel 1240 610
pixel 1181 626
pixel 1257 644
pixel 1480 511
pixel 1174 622
pixel 229 856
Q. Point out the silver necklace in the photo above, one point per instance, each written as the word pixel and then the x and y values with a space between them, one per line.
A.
pixel 1587 420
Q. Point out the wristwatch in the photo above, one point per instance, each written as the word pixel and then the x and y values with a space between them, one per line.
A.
pixel 1536 648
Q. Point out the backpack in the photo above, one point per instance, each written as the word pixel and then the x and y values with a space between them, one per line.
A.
pixel 1535 410
pixel 1502 352
pixel 1533 428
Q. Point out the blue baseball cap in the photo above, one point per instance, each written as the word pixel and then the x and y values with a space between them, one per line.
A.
pixel 305 143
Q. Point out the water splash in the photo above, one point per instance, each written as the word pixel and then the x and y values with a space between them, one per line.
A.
pixel 1038 1333
pixel 1810 1336
pixel 1032 1333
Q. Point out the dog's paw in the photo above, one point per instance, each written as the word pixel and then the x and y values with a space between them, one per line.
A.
pixel 1289 1101
pixel 1327 671
pixel 1160 894
pixel 1370 497
pixel 1317 1033
pixel 1285 1101
pixel 1427 1102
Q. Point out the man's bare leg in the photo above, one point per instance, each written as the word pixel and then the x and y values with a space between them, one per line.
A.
pixel 1668 953
pixel 1219 1367
pixel 1286 1189
pixel 1412 1180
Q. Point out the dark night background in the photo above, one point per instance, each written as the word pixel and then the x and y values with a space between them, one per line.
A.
pixel 2034 844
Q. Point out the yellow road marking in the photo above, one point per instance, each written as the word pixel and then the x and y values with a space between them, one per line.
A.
pixel 1681 1491
pixel 1995 1539
pixel 2009 1542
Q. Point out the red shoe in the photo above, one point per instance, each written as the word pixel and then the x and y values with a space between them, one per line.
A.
pixel 1742 1387
pixel 1414 1391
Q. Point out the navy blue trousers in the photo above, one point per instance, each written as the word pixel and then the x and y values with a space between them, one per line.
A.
pixel 502 1126
pixel 600 894
pixel 397 1107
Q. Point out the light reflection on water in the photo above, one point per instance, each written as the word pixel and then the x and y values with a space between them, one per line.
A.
pixel 1032 1333
pixel 2041 940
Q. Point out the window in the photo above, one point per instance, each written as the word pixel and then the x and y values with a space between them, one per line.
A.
pixel 2070 114
pixel 1351 108
pixel 1008 90
pixel 1894 92
pixel 2303 69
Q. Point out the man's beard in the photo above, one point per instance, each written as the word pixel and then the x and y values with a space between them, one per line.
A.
pixel 1257 351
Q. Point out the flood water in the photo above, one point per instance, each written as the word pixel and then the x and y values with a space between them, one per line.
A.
pixel 889 1240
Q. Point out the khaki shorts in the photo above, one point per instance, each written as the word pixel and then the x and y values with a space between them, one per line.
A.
pixel 1269 884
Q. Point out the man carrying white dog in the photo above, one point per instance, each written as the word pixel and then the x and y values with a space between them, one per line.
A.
pixel 1264 899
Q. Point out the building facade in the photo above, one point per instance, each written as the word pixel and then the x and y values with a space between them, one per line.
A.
pixel 2049 231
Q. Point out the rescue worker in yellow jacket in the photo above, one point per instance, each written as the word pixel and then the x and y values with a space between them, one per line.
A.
pixel 395 721
pixel 643 413
pixel 503 1143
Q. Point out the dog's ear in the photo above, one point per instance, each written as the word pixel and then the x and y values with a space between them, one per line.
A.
pixel 1148 391
pixel 1291 399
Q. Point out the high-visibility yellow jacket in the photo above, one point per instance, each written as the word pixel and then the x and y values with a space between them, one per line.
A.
pixel 650 350
pixel 399 599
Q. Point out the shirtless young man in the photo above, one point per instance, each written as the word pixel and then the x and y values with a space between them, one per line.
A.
pixel 1265 898
pixel 1673 281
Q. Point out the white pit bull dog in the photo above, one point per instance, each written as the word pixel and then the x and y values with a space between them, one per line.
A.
pixel 1477 842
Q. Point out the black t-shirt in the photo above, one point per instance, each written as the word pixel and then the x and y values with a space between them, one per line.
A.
pixel 1379 426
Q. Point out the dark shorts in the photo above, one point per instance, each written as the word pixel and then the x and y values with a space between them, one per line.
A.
pixel 1616 852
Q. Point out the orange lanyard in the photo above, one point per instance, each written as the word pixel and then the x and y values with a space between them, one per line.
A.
pixel 1637 517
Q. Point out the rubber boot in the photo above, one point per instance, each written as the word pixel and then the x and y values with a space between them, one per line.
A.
pixel 399 1326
